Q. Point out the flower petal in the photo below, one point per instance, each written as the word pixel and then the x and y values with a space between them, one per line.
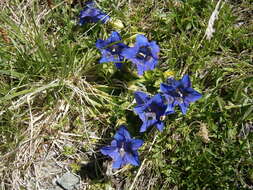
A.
pixel 141 40
pixel 173 82
pixel 114 37
pixel 122 134
pixel 132 159
pixel 192 95
pixel 170 109
pixel 117 163
pixel 157 99
pixel 118 65
pixel 124 161
pixel 186 81
pixel 90 4
pixel 107 57
pixel 166 88
pixel 149 64
pixel 129 53
pixel 141 97
pixel 140 69
pixel 160 125
pixel 136 143
pixel 91 14
pixel 101 44
pixel 111 151
pixel 146 124
pixel 183 107
pixel 138 110
pixel 154 49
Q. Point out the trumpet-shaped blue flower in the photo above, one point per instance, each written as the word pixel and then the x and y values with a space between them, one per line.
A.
pixel 150 110
pixel 144 54
pixel 91 14
pixel 179 92
pixel 111 49
pixel 123 149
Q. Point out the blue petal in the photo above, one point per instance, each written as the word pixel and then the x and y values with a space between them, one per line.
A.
pixel 136 144
pixel 129 53
pixel 132 159
pixel 147 124
pixel 157 106
pixel 170 91
pixel 192 95
pixel 160 125
pixel 157 99
pixel 140 69
pixel 118 65
pixel 141 40
pixel 124 161
pixel 186 81
pixel 183 107
pixel 91 14
pixel 101 44
pixel 115 37
pixel 102 17
pixel 140 109
pixel 114 143
pixel 117 163
pixel 150 64
pixel 154 49
pixel 141 97
pixel 172 82
pixel 122 134
pixel 144 65
pixel 122 46
pixel 143 116
pixel 104 60
pixel 90 4
pixel 169 109
pixel 111 151
pixel 107 57
pixel 166 88
pixel 107 150
pixel 169 99
pixel 136 61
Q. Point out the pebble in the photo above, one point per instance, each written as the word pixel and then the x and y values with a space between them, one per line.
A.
pixel 68 181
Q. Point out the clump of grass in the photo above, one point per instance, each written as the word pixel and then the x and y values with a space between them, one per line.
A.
pixel 46 98
pixel 59 105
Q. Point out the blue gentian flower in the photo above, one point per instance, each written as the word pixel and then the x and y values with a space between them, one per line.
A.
pixel 90 14
pixel 179 92
pixel 123 149
pixel 144 54
pixel 151 110
pixel 111 49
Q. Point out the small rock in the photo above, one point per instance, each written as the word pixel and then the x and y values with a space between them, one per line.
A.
pixel 68 181
pixel 54 188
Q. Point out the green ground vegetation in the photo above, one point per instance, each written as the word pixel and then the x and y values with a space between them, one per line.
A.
pixel 51 83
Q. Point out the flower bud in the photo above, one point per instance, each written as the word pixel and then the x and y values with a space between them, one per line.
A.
pixel 117 24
